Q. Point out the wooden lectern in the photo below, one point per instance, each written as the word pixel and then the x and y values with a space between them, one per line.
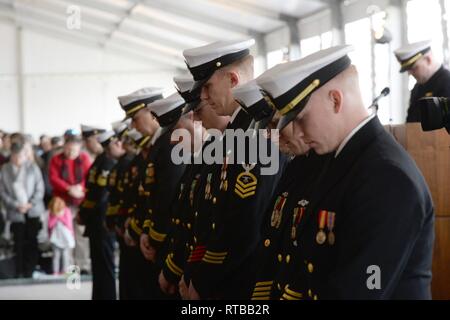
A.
pixel 431 151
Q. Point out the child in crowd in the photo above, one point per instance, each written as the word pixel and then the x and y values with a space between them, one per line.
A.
pixel 61 234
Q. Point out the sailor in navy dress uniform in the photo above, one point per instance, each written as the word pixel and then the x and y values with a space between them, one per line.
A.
pixel 116 175
pixel 290 197
pixel 167 173
pixel 159 177
pixel 182 215
pixel 368 229
pixel 142 175
pixel 90 131
pixel 238 193
pixel 138 286
pixel 116 212
pixel 200 199
pixel 93 213
pixel 133 105
pixel 433 79
pixel 89 134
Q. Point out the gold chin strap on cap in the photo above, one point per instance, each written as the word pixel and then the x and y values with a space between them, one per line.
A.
pixel 138 107
pixel 302 95
pixel 412 60
pixel 268 100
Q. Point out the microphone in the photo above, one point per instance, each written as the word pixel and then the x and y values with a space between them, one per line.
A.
pixel 383 94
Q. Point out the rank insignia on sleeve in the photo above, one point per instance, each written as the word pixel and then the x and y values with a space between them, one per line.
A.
pixel 246 182
pixel 103 178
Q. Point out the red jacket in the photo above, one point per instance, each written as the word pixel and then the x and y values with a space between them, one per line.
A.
pixel 60 183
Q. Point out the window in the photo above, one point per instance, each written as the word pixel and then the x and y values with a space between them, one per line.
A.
pixel 277 56
pixel 313 44
pixel 326 40
pixel 358 34
pixel 309 45
pixel 425 23
pixel 429 14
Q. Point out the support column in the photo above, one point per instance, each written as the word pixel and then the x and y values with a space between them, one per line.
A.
pixel 261 48
pixel 294 36
pixel 445 41
pixel 19 73
pixel 337 22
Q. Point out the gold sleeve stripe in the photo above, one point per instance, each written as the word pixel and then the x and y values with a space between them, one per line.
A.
pixel 135 227
pixel 112 210
pixel 262 288
pixel 217 254
pixel 262 293
pixel 288 297
pixel 157 236
pixel 211 261
pixel 176 270
pixel 293 293
pixel 147 224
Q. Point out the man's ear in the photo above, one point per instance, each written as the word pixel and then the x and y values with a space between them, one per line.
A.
pixel 337 98
pixel 234 78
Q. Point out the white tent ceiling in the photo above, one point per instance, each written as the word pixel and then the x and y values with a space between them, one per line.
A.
pixel 157 30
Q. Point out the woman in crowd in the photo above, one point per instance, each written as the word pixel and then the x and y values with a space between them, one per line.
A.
pixel 22 191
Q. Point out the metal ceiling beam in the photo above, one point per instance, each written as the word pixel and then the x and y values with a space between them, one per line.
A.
pixel 144 19
pixel 66 36
pixel 127 14
pixel 86 38
pixel 101 7
pixel 145 34
pixel 175 8
pixel 151 37
pixel 256 10
pixel 57 11
pixel 247 8
pixel 25 12
pixel 60 21
pixel 60 7
pixel 160 23
pixel 141 19
pixel 144 50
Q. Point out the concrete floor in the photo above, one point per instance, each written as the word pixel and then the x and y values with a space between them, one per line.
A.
pixel 45 291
